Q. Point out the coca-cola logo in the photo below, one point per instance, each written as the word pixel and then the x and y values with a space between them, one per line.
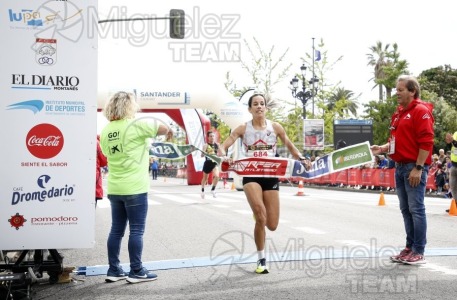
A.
pixel 44 141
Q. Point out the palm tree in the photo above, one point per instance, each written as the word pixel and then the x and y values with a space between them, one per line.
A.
pixel 393 68
pixel 392 62
pixel 377 58
pixel 346 99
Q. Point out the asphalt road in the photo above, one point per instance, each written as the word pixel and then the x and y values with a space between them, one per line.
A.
pixel 330 244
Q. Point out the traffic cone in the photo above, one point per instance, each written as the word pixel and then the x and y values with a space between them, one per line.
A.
pixel 382 202
pixel 453 208
pixel 301 189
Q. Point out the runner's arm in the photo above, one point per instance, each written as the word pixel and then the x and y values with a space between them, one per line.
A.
pixel 237 133
pixel 281 133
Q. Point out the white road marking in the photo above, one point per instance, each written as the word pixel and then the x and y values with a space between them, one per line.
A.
pixel 438 268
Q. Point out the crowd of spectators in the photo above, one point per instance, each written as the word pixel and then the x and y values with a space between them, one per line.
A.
pixel 441 164
pixel 439 169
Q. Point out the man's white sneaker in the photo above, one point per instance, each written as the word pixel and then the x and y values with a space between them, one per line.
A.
pixel 214 194
pixel 202 195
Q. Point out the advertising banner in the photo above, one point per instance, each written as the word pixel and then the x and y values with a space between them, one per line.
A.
pixel 48 114
pixel 313 134
pixel 339 160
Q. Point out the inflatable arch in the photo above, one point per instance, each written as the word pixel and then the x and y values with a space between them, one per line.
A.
pixel 183 108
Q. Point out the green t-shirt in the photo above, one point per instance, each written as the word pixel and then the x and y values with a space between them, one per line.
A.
pixel 126 145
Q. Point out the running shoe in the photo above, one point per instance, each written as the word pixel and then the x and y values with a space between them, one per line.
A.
pixel 142 275
pixel 202 195
pixel 261 266
pixel 113 276
pixel 399 257
pixel 414 259
pixel 214 194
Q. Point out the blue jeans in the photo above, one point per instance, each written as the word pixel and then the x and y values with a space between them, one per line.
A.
pixel 412 206
pixel 134 209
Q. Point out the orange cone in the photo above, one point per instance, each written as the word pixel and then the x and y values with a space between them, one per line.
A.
pixel 301 189
pixel 453 208
pixel 382 202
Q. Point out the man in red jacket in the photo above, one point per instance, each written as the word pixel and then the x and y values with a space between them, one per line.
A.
pixel 411 146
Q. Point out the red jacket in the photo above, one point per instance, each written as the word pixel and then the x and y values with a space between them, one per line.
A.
pixel 412 128
pixel 101 162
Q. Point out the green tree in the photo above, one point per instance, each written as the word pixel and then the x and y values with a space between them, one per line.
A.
pixel 265 70
pixel 377 59
pixel 445 116
pixel 394 67
pixel 442 81
pixel 380 113
pixel 345 99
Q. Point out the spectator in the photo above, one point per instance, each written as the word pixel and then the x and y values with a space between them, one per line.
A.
pixel 340 144
pixel 390 163
pixel 125 142
pixel 410 145
pixel 451 139
pixel 441 156
pixel 154 169
pixel 101 162
pixel 382 164
pixel 440 178
pixel 435 162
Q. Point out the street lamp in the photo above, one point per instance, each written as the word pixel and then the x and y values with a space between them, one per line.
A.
pixel 303 95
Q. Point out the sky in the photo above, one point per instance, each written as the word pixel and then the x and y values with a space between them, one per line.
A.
pixel 141 54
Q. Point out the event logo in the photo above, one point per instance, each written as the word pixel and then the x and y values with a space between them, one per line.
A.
pixel 259 166
pixel 45 82
pixel 59 220
pixel 25 17
pixel 51 107
pixel 351 156
pixel 44 141
pixel 63 18
pixel 46 52
pixel 17 221
pixel 51 18
pixel 164 97
pixel 348 158
pixel 43 180
pixel 232 109
pixel 33 105
pixel 61 107
pixel 164 150
pixel 171 151
pixel 45 192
